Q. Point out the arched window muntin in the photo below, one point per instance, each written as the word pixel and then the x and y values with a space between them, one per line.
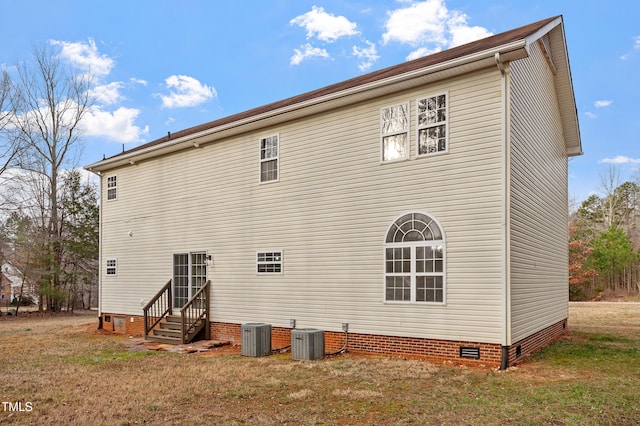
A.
pixel 415 260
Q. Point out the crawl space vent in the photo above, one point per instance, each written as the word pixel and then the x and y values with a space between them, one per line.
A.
pixel 467 352
pixel 256 339
pixel 307 344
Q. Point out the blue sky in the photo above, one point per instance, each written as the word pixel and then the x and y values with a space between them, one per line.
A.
pixel 167 65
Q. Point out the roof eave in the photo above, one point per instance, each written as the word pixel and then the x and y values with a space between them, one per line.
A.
pixel 509 52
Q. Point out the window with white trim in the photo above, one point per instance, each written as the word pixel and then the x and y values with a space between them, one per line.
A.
pixel 112 187
pixel 414 260
pixel 432 125
pixel 269 159
pixel 394 129
pixel 112 267
pixel 269 262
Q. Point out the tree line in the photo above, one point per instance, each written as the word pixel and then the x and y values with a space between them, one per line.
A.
pixel 48 213
pixel 604 241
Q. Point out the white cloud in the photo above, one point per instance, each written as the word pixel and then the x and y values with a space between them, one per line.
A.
pixel 418 23
pixel 367 55
pixel 117 125
pixel 325 26
pixel 108 94
pixel 430 26
pixel 138 81
pixel 461 33
pixel 420 52
pixel 85 56
pixel 602 103
pixel 307 51
pixel 185 91
pixel 621 159
pixel 590 115
pixel 636 42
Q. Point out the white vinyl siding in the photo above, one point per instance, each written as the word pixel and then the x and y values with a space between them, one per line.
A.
pixel 330 213
pixel 539 259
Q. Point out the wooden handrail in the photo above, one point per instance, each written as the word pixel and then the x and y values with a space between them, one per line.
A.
pixel 195 314
pixel 158 308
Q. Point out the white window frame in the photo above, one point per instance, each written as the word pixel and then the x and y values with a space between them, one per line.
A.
pixel 270 158
pixel 194 280
pixel 425 126
pixel 113 188
pixel 413 274
pixel 270 258
pixel 395 132
pixel 111 264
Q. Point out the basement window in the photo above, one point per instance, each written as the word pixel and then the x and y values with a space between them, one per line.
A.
pixel 269 262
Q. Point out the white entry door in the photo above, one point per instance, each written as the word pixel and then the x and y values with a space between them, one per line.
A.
pixel 189 275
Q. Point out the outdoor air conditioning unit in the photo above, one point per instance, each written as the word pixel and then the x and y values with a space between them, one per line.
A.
pixel 307 344
pixel 256 339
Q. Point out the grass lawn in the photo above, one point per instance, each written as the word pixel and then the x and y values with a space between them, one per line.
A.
pixel 65 373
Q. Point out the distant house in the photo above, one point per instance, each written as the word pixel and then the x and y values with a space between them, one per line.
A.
pixel 423 206
pixel 12 285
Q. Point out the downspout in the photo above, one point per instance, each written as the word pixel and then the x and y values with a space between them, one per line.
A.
pixel 506 159
pixel 100 325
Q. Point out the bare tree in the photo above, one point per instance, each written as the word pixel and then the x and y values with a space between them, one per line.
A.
pixel 50 101
pixel 9 147
pixel 609 181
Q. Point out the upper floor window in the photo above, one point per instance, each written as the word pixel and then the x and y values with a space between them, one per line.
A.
pixel 414 260
pixel 394 122
pixel 432 125
pixel 269 159
pixel 112 187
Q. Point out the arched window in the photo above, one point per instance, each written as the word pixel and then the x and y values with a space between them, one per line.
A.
pixel 414 260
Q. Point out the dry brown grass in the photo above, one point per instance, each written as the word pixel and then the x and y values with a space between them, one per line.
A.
pixel 73 375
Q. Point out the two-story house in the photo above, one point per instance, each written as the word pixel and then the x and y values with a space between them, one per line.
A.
pixel 421 207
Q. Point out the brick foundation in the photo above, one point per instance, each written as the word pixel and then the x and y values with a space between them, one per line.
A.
pixel 122 324
pixel 410 347
pixel 532 344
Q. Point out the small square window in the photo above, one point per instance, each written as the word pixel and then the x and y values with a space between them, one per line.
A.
pixel 112 267
pixel 269 262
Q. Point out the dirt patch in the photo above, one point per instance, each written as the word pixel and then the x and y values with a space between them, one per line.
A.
pixel 201 347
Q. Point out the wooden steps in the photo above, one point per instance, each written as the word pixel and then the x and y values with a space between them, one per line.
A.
pixel 169 331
